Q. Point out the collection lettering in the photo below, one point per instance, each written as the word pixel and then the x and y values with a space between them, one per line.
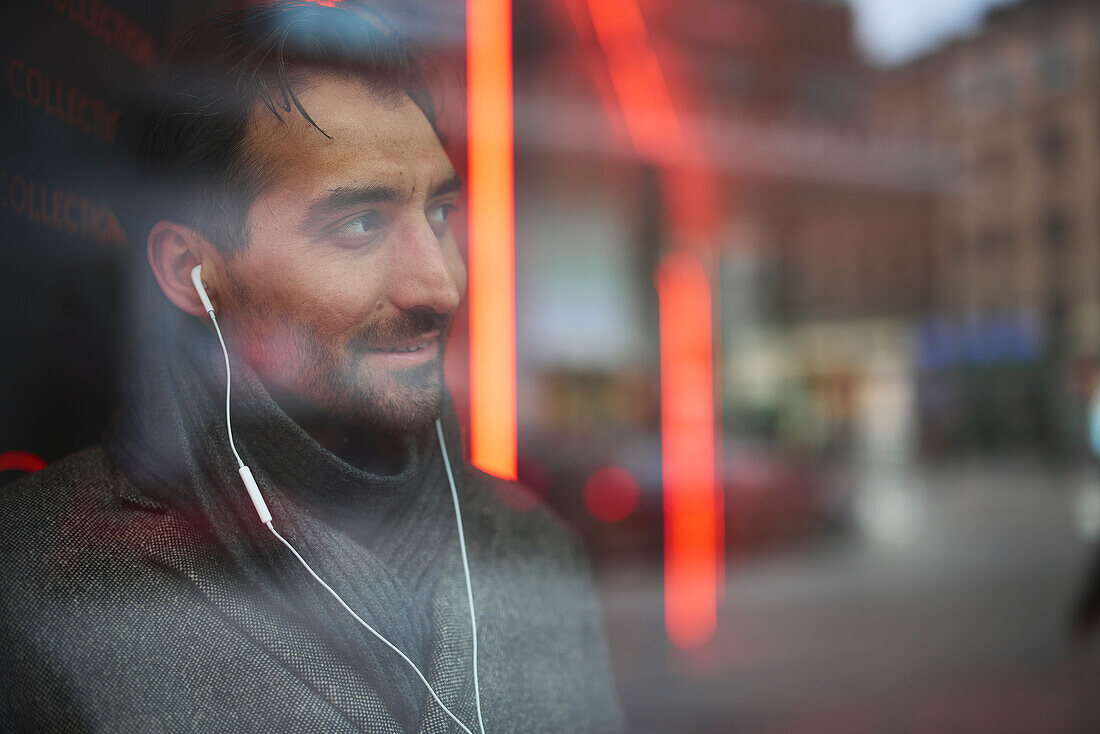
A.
pixel 54 207
pixel 75 108
pixel 112 28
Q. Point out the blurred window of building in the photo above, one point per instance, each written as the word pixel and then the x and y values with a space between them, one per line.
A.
pixel 1054 147
pixel 999 90
pixel 736 81
pixel 574 291
pixel 1055 65
pixel 984 83
pixel 959 85
pixel 995 166
pixel 828 95
pixel 1056 231
pixel 1096 20
pixel 989 246
pixel 1057 235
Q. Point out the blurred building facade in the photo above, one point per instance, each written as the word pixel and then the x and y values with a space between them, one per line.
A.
pixel 1007 352
pixel 907 263
pixel 822 263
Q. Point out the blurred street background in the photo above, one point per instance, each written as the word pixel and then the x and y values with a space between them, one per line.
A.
pixel 807 331
pixel 944 609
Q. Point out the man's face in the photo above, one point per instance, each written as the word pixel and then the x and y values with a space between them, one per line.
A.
pixel 343 297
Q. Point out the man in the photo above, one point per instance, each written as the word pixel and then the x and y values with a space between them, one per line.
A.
pixel 289 151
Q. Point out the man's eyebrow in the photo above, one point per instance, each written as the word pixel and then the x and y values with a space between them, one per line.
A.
pixel 448 186
pixel 342 198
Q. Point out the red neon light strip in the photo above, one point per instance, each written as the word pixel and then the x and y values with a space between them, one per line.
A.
pixel 687 436
pixel 691 504
pixel 492 237
pixel 636 75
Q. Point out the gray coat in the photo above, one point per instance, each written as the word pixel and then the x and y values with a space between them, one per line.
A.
pixel 142 602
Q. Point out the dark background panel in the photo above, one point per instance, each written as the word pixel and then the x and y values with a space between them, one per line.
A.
pixel 67 68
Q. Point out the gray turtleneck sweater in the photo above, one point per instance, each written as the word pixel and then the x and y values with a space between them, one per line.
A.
pixel 140 593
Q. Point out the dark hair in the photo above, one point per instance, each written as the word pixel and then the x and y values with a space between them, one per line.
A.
pixel 184 135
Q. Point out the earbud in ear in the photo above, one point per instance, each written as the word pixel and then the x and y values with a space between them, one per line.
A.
pixel 196 278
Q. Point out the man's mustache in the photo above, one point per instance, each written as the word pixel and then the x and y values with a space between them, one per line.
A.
pixel 406 326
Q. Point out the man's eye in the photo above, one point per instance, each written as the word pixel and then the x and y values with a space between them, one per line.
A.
pixel 440 213
pixel 368 223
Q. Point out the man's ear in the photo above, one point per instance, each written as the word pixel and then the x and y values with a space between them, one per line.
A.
pixel 173 250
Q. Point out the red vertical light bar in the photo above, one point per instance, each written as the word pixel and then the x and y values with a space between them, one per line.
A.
pixel 691 504
pixel 687 436
pixel 492 237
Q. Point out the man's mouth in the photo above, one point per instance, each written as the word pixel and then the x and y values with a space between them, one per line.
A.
pixel 401 350
pixel 422 347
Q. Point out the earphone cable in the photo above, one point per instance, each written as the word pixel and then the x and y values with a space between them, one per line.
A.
pixel 228 387
pixel 465 567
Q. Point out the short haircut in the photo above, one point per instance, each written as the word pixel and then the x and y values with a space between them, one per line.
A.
pixel 184 136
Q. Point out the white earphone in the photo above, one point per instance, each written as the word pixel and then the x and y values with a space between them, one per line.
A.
pixel 265 517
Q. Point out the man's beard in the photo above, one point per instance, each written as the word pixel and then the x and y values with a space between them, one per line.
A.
pixel 406 399
pixel 324 383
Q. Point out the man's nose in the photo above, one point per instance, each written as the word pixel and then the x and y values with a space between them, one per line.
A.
pixel 424 276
